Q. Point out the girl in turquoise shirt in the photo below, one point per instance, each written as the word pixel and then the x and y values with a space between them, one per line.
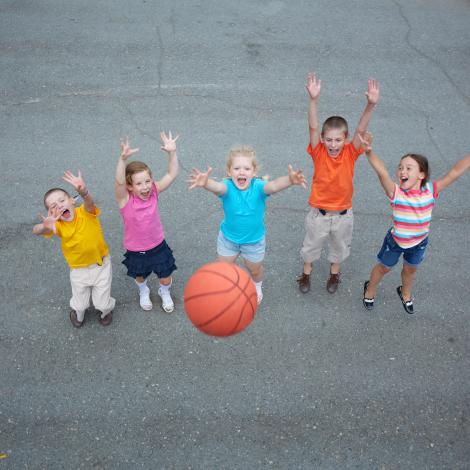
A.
pixel 243 195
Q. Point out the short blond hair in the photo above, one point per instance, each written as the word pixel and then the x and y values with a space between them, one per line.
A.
pixel 241 151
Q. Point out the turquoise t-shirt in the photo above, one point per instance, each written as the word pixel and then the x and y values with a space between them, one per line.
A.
pixel 244 212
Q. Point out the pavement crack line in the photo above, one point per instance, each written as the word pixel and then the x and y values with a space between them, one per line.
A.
pixel 426 56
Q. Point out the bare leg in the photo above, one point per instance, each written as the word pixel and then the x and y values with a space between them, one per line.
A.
pixel 308 268
pixel 256 270
pixel 335 268
pixel 408 275
pixel 376 275
pixel 227 259
pixel 165 281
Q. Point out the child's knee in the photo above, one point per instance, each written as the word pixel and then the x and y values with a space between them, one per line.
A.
pixel 409 269
pixel 383 269
pixel 256 270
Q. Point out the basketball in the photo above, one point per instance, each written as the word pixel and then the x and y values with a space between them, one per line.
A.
pixel 220 299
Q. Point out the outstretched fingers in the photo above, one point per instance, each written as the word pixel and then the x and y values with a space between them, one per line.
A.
pixel 366 140
pixel 313 85
pixel 197 178
pixel 373 91
pixel 297 177
pixel 126 150
pixel 168 141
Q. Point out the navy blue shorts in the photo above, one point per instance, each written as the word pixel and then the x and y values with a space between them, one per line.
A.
pixel 390 252
pixel 159 260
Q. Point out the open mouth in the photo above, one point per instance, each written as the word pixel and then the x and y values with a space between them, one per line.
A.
pixel 66 214
pixel 241 181
pixel 403 180
pixel 333 152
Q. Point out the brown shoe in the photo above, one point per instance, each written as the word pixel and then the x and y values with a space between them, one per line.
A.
pixel 332 283
pixel 106 320
pixel 74 320
pixel 304 283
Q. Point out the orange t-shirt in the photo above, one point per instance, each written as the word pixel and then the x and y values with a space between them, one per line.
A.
pixel 332 182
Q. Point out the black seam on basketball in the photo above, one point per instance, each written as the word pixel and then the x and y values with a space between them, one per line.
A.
pixel 247 301
pixel 225 291
pixel 234 285
pixel 219 314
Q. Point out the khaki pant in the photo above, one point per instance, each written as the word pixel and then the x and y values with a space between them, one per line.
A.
pixel 94 280
pixel 332 226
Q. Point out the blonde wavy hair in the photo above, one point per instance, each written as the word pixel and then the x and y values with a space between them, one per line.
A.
pixel 241 151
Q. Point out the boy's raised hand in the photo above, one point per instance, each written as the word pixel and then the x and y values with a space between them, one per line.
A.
pixel 373 91
pixel 366 141
pixel 52 217
pixel 197 179
pixel 297 177
pixel 313 86
pixel 126 150
pixel 76 181
pixel 169 143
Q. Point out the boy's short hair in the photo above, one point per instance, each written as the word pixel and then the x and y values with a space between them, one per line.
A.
pixel 423 165
pixel 53 190
pixel 136 167
pixel 335 122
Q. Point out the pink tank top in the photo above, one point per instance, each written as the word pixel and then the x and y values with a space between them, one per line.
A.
pixel 143 229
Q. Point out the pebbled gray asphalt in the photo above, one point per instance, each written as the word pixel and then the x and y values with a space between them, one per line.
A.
pixel 315 381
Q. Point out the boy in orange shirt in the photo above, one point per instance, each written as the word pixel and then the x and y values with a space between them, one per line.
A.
pixel 334 157
pixel 83 247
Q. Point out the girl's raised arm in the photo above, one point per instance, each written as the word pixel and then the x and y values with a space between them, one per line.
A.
pixel 120 187
pixel 377 164
pixel 456 171
pixel 294 177
pixel 169 146
pixel 197 179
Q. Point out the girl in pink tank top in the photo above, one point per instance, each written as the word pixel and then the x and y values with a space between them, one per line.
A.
pixel 144 239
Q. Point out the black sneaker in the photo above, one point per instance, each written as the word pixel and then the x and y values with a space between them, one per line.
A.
pixel 407 304
pixel 368 303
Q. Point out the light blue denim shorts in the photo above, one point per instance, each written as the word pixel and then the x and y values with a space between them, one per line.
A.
pixel 253 252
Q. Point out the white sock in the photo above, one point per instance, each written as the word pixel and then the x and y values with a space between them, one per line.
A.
pixel 167 287
pixel 258 286
pixel 80 314
pixel 142 285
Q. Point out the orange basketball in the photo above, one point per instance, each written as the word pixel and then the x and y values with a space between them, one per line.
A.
pixel 220 299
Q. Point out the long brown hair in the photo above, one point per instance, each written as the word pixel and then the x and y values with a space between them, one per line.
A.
pixel 423 165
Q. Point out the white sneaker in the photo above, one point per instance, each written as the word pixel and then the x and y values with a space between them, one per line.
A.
pixel 167 301
pixel 145 301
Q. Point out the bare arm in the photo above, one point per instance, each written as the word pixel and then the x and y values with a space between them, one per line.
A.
pixel 372 94
pixel 455 172
pixel 197 179
pixel 169 146
pixel 80 186
pixel 283 182
pixel 120 187
pixel 378 165
pixel 313 87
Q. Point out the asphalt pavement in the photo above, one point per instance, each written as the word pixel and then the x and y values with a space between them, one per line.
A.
pixel 316 381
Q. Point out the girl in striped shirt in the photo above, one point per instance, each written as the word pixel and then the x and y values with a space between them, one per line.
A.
pixel 412 201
